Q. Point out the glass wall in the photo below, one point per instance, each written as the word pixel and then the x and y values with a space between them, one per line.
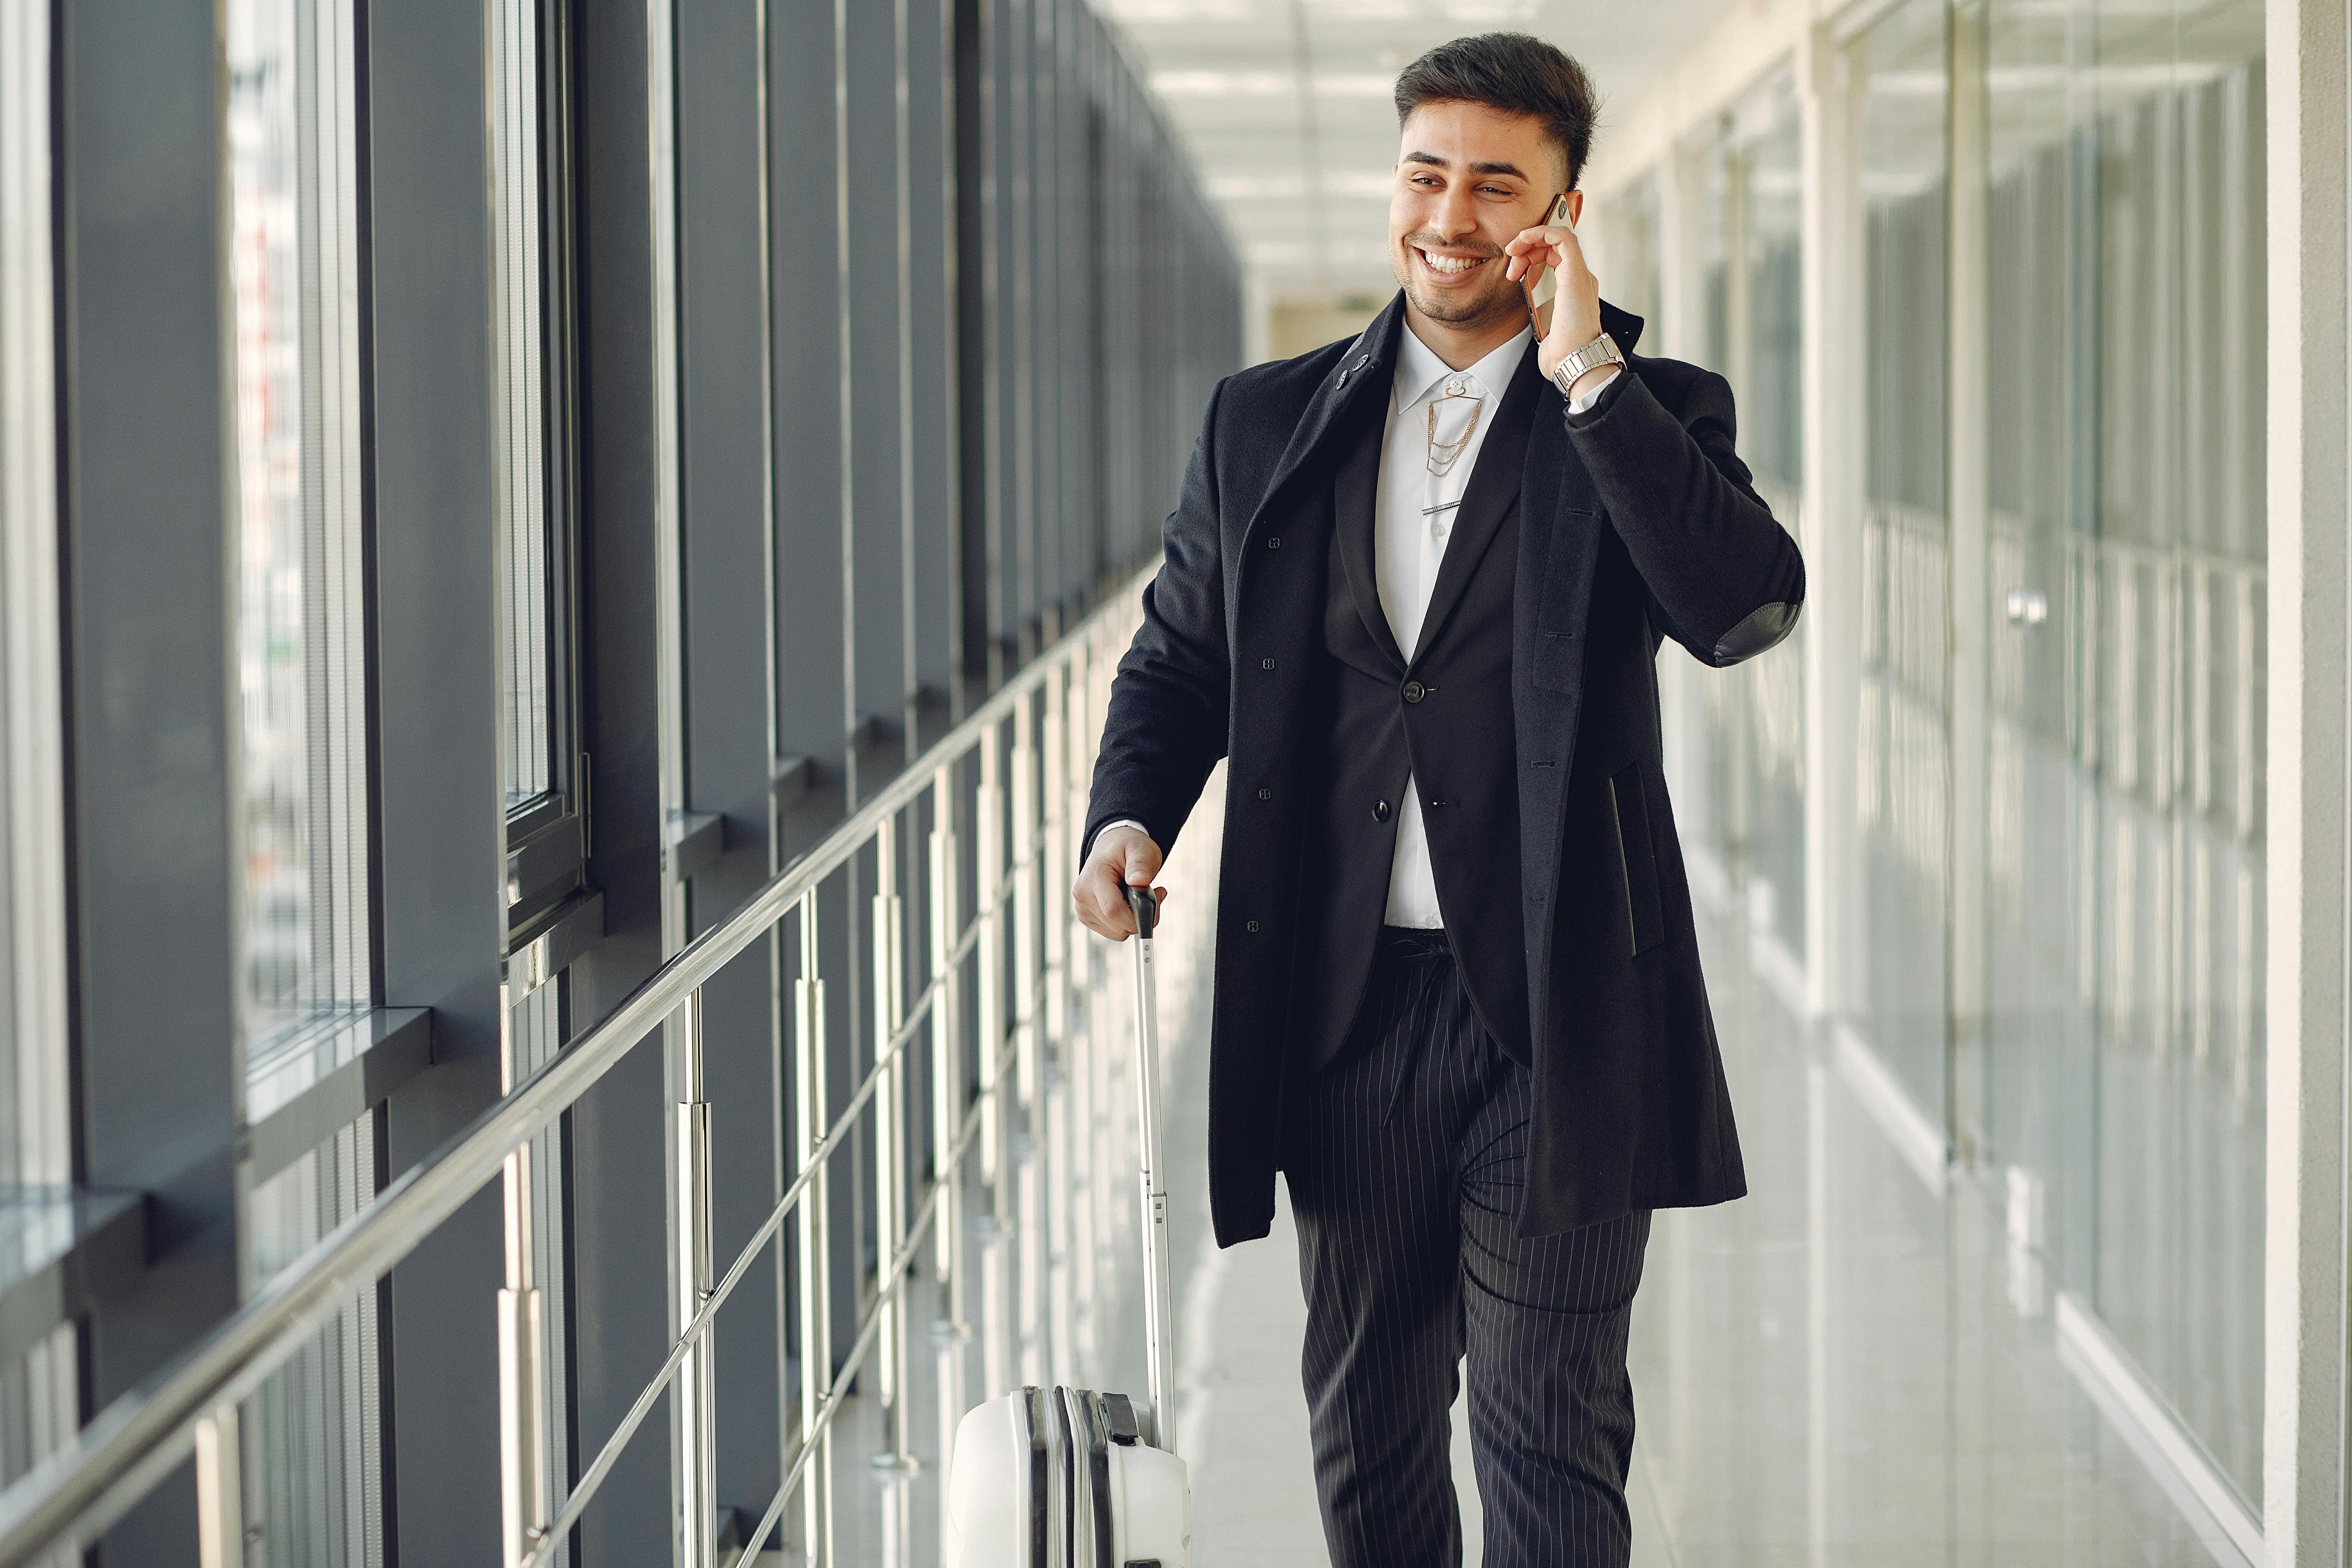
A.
pixel 300 668
pixel 2110 155
pixel 1898 71
pixel 2128 608
pixel 1744 786
pixel 313 1472
pixel 39 1399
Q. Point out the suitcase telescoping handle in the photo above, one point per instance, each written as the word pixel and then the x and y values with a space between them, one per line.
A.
pixel 1160 1346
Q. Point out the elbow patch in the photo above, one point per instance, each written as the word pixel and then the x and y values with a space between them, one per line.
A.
pixel 1769 625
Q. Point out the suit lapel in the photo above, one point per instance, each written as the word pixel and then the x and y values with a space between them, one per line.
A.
pixel 1355 491
pixel 1495 485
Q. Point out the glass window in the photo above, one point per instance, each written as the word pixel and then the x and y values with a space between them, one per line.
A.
pixel 1899 73
pixel 39 1400
pixel 1744 780
pixel 311 1434
pixel 36 1149
pixel 2128 707
pixel 300 670
pixel 543 778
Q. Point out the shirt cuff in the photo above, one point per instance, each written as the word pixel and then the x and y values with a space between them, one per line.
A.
pixel 1124 822
pixel 1586 399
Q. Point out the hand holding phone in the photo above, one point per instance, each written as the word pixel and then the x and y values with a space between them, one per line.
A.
pixel 1540 291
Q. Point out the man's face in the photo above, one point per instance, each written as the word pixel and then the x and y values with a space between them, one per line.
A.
pixel 1468 180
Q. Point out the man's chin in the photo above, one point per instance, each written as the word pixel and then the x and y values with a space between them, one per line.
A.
pixel 1457 311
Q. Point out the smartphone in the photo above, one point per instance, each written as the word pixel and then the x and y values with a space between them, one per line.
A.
pixel 1545 286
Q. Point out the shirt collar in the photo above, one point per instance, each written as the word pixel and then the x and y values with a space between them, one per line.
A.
pixel 1420 373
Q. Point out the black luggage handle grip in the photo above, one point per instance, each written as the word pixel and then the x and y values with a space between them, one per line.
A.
pixel 1147 910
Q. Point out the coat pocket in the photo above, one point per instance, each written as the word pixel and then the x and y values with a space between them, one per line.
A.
pixel 1628 802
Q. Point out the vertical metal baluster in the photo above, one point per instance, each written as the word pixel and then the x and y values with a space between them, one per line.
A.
pixel 690 1234
pixel 947 1049
pixel 1056 802
pixel 1027 888
pixel 220 1492
pixel 811 1110
pixel 1054 1164
pixel 522 1450
pixel 995 1169
pixel 988 849
pixel 890 1148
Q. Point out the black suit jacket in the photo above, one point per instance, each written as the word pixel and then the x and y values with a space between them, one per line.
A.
pixel 1636 522
pixel 1455 741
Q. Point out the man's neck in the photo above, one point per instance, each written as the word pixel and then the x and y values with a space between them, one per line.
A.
pixel 1463 344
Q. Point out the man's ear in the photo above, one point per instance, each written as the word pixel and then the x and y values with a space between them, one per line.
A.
pixel 1575 209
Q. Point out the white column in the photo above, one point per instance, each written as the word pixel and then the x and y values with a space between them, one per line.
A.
pixel 2303 1437
pixel 1967 598
pixel 1832 527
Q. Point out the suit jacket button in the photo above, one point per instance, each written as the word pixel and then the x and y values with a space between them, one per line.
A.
pixel 1414 690
pixel 1266 795
pixel 1274 542
pixel 1250 926
pixel 1380 811
pixel 1266 664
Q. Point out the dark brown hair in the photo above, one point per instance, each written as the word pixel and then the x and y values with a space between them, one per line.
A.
pixel 1514 73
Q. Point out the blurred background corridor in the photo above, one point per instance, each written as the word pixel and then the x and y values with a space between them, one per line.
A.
pixel 560 563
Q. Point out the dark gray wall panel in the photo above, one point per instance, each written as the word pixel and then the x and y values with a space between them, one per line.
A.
pixel 146 584
pixel 619 1170
pixel 728 719
pixel 442 897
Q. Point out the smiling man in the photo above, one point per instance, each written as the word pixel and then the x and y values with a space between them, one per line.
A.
pixel 1415 590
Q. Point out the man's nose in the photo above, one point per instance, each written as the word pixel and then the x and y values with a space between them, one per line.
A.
pixel 1456 216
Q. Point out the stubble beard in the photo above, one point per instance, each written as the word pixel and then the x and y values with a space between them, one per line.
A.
pixel 1502 297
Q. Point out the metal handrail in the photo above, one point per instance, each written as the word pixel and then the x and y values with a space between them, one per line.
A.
pixel 77 1492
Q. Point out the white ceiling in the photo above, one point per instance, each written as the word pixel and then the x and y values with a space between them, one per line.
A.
pixel 1285 103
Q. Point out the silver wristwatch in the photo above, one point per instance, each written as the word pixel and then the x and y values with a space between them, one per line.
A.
pixel 1600 350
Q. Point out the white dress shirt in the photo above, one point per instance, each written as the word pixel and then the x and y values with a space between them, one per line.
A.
pixel 1408 542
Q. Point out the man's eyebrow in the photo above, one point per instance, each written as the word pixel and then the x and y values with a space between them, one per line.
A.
pixel 1433 161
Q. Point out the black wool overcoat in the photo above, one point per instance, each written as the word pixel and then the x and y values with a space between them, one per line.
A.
pixel 1637 523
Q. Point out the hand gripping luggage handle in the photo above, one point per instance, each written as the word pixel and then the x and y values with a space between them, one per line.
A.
pixel 1159 1339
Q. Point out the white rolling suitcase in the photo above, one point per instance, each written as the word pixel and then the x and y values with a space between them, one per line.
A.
pixel 1066 1477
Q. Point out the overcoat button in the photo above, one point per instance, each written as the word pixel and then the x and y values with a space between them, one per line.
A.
pixel 1266 795
pixel 1266 664
pixel 1251 926
pixel 1380 811
pixel 1414 690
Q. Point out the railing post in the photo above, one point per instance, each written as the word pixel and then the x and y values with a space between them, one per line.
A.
pixel 698 1436
pixel 1027 916
pixel 890 1148
pixel 946 1050
pixel 811 1112
pixel 220 1491
pixel 522 1450
pixel 988 850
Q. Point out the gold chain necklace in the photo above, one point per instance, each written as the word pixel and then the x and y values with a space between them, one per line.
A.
pixel 1443 455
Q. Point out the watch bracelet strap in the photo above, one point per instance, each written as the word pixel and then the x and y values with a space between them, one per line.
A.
pixel 1570 370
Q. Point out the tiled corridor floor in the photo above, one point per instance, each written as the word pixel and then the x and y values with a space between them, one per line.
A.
pixel 1836 1371
pixel 1830 1373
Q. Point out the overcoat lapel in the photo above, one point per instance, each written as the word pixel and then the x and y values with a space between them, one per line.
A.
pixel 1355 496
pixel 1367 370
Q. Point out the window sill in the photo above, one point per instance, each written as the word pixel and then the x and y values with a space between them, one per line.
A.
pixel 300 1092
pixel 59 1252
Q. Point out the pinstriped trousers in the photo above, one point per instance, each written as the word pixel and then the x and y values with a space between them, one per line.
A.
pixel 1405 1158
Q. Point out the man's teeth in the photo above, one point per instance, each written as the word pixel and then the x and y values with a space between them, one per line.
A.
pixel 1449 263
